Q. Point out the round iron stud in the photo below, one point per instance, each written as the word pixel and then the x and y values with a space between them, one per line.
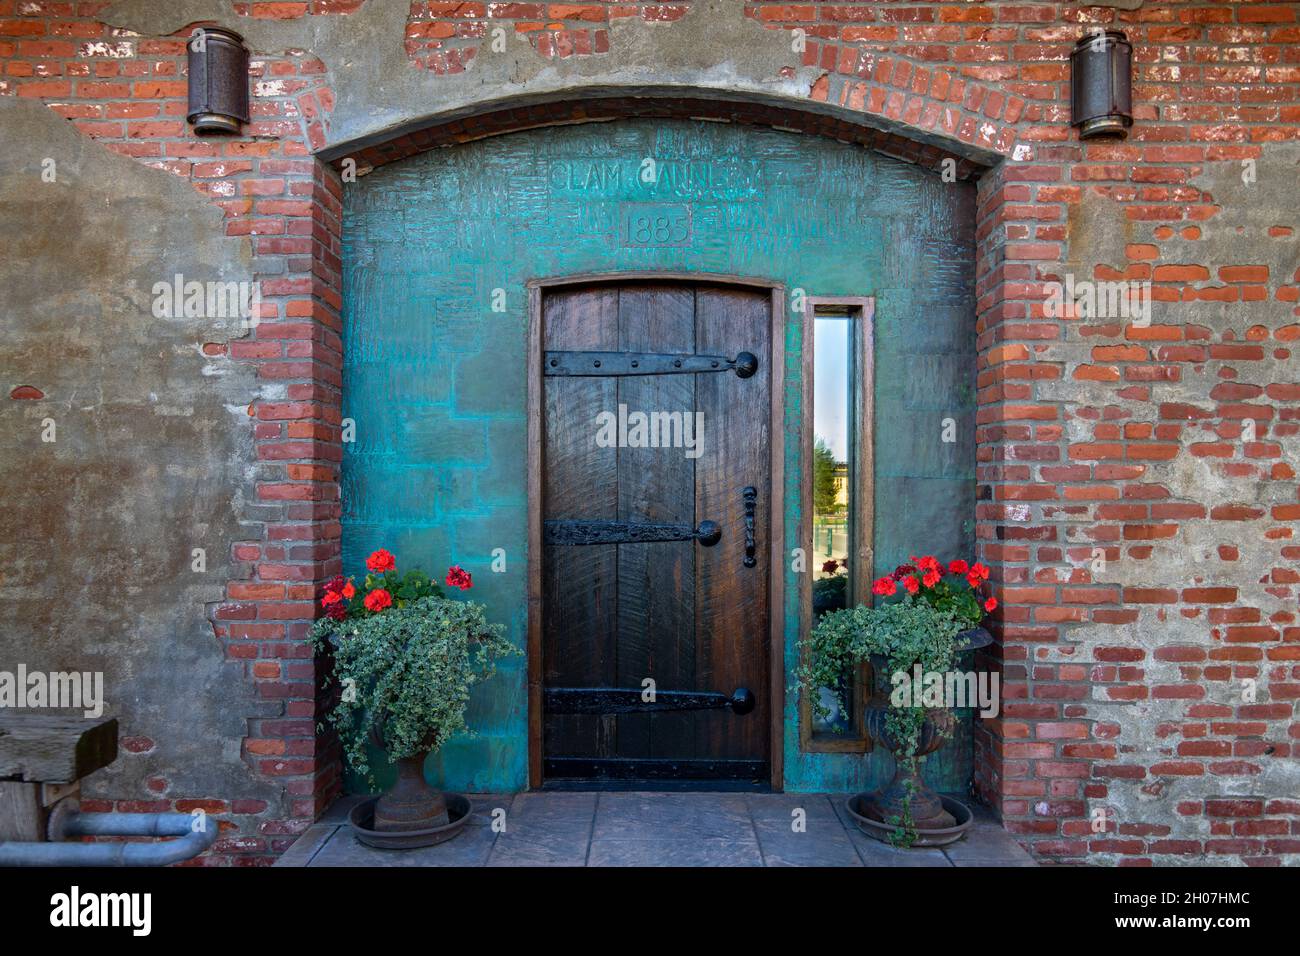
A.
pixel 742 701
pixel 708 533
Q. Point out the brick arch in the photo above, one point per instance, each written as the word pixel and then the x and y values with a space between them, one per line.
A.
pixel 1053 755
pixel 918 114
pixel 926 131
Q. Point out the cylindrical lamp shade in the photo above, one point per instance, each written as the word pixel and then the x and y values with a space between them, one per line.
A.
pixel 1101 85
pixel 218 63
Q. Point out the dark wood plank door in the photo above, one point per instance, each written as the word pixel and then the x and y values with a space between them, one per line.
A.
pixel 628 596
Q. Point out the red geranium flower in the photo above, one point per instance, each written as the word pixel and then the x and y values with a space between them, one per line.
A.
pixel 958 566
pixel 929 563
pixel 337 612
pixel 884 586
pixel 348 590
pixel 991 604
pixel 980 571
pixel 931 577
pixel 336 584
pixel 331 597
pixel 912 584
pixel 378 599
pixel 381 561
pixel 458 577
pixel 903 570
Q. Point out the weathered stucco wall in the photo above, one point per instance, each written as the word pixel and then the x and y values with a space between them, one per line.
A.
pixel 149 460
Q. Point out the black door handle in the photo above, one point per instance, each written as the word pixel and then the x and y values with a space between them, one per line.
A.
pixel 751 507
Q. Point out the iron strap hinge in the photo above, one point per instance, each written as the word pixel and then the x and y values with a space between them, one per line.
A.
pixel 744 364
pixel 631 700
pixel 565 532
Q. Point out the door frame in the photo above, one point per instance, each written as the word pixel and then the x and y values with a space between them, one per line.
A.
pixel 537 288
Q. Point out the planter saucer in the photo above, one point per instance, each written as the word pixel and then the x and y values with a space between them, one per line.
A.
pixel 882 831
pixel 362 818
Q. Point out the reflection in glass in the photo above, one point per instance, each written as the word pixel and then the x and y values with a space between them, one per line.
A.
pixel 832 451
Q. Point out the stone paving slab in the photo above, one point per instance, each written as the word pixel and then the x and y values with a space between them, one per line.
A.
pixel 675 851
pixel 800 829
pixel 546 829
pixel 682 816
pixel 573 829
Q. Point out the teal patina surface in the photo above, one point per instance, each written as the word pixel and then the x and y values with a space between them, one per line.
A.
pixel 437 252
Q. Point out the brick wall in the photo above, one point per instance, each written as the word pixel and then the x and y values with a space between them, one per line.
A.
pixel 1137 484
pixel 1142 532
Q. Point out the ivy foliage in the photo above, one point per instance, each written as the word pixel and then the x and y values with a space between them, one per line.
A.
pixel 406 674
pixel 905 633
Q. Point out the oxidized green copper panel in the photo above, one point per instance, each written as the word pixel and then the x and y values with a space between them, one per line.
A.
pixel 437 252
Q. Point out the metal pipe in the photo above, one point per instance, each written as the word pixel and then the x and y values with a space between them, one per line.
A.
pixel 190 844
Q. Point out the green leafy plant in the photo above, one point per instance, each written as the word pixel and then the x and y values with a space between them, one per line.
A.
pixel 921 628
pixel 405 668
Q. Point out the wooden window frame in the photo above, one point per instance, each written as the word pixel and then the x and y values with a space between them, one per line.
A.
pixel 860 310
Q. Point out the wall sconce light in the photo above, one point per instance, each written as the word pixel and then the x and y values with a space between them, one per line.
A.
pixel 218 63
pixel 1101 85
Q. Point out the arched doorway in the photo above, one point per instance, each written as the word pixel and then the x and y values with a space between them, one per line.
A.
pixel 448 259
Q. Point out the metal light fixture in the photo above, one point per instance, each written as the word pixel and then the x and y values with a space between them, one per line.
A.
pixel 1101 85
pixel 218 62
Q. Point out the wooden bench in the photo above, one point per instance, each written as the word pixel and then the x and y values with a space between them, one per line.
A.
pixel 43 758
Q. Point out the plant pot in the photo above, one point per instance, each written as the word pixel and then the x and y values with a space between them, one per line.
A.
pixel 936 819
pixel 410 813
pixel 928 837
pixel 972 639
pixel 362 821
pixel 928 811
pixel 410 803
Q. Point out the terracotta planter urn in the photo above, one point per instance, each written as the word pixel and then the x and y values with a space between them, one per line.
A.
pixel 410 813
pixel 410 803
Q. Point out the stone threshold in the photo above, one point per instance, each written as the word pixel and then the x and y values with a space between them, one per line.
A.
pixel 571 828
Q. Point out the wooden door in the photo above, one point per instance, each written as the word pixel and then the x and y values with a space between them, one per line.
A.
pixel 654 553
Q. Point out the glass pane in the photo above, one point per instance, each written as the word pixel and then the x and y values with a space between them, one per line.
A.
pixel 832 452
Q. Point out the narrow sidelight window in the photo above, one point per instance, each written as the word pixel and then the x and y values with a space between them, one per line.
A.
pixel 837 500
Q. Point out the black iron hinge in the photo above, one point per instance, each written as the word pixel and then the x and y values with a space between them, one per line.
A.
pixel 620 700
pixel 744 364
pixel 564 532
